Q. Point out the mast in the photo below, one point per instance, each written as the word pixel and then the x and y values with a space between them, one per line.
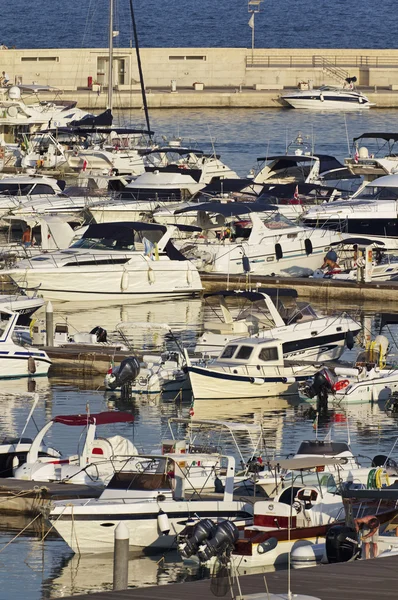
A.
pixel 110 66
pixel 137 51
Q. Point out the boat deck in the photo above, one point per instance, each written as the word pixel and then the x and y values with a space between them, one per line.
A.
pixel 367 580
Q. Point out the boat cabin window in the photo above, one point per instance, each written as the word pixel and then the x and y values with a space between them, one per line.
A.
pixel 268 354
pixel 278 221
pixel 42 189
pixel 375 192
pixel 105 244
pixel 15 189
pixel 244 352
pixel 229 352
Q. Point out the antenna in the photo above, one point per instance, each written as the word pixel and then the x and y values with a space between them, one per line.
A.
pixel 346 134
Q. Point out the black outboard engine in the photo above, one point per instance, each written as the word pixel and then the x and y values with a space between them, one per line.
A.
pixel 203 530
pixel 125 374
pixel 101 333
pixel 324 379
pixel 222 542
pixel 341 544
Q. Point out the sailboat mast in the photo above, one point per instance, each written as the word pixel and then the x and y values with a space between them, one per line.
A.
pixel 110 67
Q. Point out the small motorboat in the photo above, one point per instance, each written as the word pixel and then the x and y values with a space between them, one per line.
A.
pixel 369 380
pixel 327 97
pixel 17 360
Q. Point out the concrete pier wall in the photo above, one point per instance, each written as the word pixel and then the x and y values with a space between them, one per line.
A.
pixel 214 67
pixel 235 77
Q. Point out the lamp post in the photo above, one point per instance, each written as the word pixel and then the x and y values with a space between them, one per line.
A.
pixel 253 6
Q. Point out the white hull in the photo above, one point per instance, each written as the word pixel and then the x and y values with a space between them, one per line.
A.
pixel 151 280
pixel 215 384
pixel 96 533
pixel 316 104
pixel 276 556
pixel 14 367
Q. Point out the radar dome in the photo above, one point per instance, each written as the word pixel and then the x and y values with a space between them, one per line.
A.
pixel 14 93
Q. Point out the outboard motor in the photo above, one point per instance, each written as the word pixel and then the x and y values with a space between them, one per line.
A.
pixel 125 374
pixel 341 544
pixel 324 379
pixel 203 530
pixel 223 541
pixel 102 335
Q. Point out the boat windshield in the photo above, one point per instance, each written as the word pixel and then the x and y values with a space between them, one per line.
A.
pixel 104 244
pixel 375 192
pixel 278 221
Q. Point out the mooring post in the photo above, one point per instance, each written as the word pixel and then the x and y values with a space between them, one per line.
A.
pixel 121 557
pixel 49 324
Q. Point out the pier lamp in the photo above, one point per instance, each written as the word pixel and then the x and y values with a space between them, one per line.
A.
pixel 253 6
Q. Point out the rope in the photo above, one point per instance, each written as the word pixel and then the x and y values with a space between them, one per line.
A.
pixel 20 533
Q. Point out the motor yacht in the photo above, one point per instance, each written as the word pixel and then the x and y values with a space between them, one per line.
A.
pixel 275 313
pixel 255 238
pixel 327 98
pixel 375 159
pixel 371 212
pixel 118 261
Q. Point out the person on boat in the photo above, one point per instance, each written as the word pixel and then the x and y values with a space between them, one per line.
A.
pixel 330 263
pixel 368 528
pixel 27 237
pixel 5 79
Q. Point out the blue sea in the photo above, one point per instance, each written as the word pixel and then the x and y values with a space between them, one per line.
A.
pixel 208 23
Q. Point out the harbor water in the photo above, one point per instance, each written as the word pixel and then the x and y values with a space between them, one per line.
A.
pixel 48 569
pixel 289 24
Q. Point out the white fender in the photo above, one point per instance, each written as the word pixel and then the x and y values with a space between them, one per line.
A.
pixel 124 282
pixel 151 275
pixel 321 98
pixel 189 276
pixel 163 523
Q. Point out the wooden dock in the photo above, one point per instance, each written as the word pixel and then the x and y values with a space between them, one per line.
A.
pixel 375 579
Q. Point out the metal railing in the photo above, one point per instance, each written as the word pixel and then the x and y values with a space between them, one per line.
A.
pixel 260 59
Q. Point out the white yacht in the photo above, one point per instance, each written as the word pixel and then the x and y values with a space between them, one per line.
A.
pixel 18 117
pixel 16 360
pixel 255 238
pixel 140 198
pixel 371 212
pixel 327 98
pixel 275 314
pixel 375 155
pixel 248 368
pixel 112 261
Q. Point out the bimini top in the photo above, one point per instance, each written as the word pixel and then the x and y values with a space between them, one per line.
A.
pixel 319 447
pixel 117 231
pixel 229 209
pixel 378 135
pixel 254 296
pixel 357 240
pixel 307 462
pixel 103 418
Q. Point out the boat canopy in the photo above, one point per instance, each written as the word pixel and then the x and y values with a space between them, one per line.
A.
pixel 378 135
pixel 224 186
pixel 357 240
pixel 228 209
pixel 104 418
pixel 36 88
pixel 117 231
pixel 307 462
pixel 327 162
pixel 254 296
pixel 324 448
pixel 286 190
